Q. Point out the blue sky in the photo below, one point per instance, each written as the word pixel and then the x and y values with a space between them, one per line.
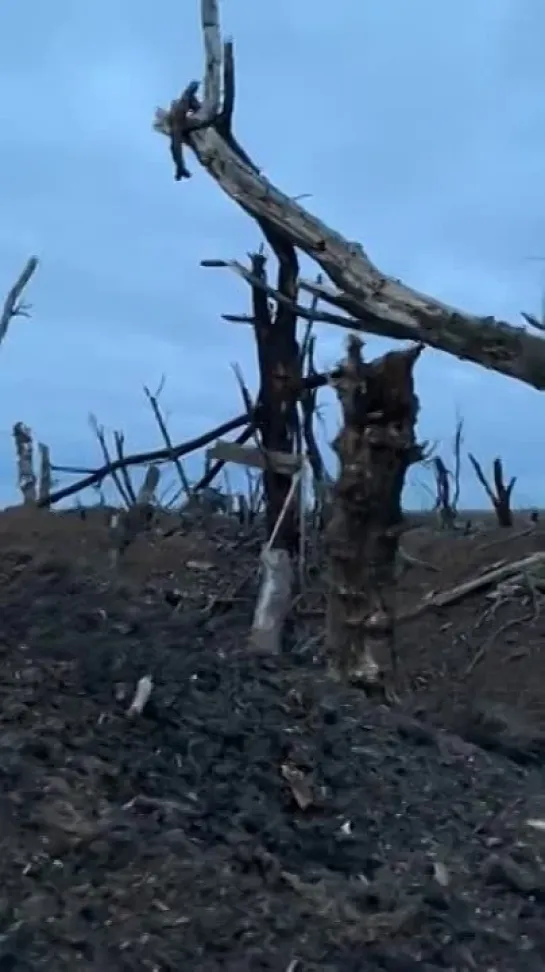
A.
pixel 418 128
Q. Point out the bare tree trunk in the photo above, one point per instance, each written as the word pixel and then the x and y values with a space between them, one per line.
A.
pixel 280 380
pixel 375 447
pixel 26 477
pixel 443 504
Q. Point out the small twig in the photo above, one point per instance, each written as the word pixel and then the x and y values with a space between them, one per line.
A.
pixel 485 648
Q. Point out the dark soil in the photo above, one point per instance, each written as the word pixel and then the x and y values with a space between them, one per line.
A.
pixel 257 816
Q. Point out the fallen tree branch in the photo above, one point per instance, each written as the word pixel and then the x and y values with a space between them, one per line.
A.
pixel 438 599
pixel 143 458
pixel 381 304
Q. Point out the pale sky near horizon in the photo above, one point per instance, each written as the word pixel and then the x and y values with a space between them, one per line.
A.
pixel 432 156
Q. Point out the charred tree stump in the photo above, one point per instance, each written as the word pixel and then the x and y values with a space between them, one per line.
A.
pixel 376 445
pixel 24 447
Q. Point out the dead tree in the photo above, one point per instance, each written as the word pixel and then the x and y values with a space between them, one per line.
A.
pixel 500 495
pixel 443 504
pixel 276 432
pixel 280 378
pixel 26 476
pixel 376 303
pixel 279 359
pixel 376 445
pixel 447 498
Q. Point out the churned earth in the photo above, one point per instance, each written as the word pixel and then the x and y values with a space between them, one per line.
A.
pixel 258 816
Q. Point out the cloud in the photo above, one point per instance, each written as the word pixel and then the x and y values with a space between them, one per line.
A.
pixel 417 128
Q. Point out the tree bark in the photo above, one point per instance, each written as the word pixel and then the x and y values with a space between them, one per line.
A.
pixel 280 381
pixel 379 304
pixel 375 447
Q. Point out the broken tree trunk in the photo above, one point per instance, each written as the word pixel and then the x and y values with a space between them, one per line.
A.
pixel 443 504
pixel 375 446
pixel 379 304
pixel 45 478
pixel 26 476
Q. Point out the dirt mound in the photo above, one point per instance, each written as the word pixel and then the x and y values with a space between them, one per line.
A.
pixel 257 816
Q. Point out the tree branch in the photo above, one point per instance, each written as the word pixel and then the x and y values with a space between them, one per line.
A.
pixel 381 304
pixel 321 316
pixel 141 458
pixel 12 304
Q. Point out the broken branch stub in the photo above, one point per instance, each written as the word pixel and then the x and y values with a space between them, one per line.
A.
pixel 375 446
pixel 500 496
pixel 381 304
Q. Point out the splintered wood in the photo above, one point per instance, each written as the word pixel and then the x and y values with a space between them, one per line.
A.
pixel 254 458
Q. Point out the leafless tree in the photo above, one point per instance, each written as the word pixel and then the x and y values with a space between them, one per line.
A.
pixel 499 494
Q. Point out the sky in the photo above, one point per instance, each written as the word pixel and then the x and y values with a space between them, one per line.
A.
pixel 417 128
